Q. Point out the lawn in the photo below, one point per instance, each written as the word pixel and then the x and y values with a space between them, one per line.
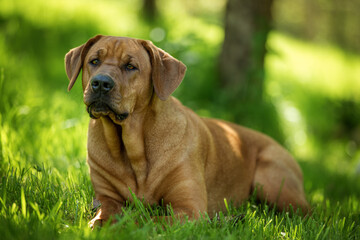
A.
pixel 45 190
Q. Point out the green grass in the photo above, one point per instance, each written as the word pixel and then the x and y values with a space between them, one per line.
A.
pixel 41 203
pixel 45 190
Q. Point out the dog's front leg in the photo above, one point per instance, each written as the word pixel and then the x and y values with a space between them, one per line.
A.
pixel 108 209
pixel 187 198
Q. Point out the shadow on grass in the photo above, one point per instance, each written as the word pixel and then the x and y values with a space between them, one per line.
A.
pixel 335 186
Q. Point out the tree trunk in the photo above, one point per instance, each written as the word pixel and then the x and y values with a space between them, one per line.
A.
pixel 242 73
pixel 247 25
pixel 149 9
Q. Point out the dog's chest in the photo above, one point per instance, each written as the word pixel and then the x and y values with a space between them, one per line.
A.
pixel 123 178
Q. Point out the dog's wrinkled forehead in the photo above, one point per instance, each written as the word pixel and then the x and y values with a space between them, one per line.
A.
pixel 120 48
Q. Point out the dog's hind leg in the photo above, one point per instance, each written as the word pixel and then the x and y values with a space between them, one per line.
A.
pixel 278 180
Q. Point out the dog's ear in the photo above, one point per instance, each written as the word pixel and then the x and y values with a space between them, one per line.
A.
pixel 74 59
pixel 167 72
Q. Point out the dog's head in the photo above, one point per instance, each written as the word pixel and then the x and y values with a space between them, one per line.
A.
pixel 121 75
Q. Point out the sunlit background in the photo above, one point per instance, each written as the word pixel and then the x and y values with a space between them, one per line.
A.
pixel 312 79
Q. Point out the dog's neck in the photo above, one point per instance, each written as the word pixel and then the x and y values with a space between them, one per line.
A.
pixel 126 141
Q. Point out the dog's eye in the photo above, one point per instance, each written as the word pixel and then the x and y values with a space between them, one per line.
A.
pixel 95 62
pixel 130 67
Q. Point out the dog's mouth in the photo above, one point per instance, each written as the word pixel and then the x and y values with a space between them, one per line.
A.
pixel 99 109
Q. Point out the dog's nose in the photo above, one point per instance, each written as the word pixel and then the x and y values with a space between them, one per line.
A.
pixel 102 83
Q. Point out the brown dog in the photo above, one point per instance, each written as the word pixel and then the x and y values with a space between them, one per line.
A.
pixel 143 139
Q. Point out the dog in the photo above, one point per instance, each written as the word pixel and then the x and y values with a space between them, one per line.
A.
pixel 143 139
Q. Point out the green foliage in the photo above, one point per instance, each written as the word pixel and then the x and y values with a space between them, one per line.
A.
pixel 320 21
pixel 45 190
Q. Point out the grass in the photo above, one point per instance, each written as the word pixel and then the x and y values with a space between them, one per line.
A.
pixel 41 203
pixel 45 190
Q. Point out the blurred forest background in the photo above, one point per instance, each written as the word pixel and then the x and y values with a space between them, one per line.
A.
pixel 290 69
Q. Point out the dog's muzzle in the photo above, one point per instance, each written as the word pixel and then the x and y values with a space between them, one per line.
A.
pixel 100 103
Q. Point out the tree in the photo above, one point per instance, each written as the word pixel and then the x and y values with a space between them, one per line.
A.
pixel 149 9
pixel 247 25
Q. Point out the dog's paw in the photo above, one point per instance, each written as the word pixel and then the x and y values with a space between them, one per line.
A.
pixel 95 223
